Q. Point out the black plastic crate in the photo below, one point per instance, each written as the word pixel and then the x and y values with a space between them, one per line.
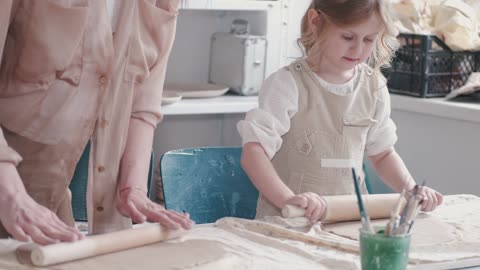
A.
pixel 424 66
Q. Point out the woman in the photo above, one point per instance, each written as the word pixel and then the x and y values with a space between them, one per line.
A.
pixel 75 71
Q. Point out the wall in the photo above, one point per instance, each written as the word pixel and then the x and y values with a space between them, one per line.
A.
pixel 444 152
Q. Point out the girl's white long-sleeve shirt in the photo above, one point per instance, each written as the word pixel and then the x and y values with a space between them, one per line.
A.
pixel 278 103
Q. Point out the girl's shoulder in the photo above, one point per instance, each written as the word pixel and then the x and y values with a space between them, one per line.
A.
pixel 280 84
pixel 280 77
pixel 374 77
pixel 283 71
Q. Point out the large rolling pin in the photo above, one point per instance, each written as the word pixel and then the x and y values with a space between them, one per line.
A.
pixel 94 245
pixel 345 207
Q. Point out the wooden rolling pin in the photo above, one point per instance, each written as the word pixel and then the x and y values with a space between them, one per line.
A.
pixel 345 207
pixel 94 245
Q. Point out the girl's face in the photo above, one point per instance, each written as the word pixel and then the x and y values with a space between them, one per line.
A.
pixel 346 47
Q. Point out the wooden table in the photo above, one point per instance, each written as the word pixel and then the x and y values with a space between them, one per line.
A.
pixel 245 244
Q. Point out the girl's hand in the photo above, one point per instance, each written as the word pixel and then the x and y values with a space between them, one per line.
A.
pixel 134 203
pixel 315 205
pixel 430 198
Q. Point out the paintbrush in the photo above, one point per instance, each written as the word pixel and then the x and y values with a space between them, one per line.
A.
pixel 418 205
pixel 408 207
pixel 407 211
pixel 366 225
pixel 395 215
pixel 411 210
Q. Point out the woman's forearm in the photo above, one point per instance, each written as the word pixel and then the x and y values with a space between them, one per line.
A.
pixel 135 162
pixel 261 172
pixel 11 185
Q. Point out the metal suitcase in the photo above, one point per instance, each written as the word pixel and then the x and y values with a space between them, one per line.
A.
pixel 237 59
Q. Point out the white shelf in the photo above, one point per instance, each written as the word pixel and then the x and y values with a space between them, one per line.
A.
pixel 228 104
pixel 439 107
pixel 230 4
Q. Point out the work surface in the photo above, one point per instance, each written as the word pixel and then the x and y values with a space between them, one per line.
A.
pixel 446 239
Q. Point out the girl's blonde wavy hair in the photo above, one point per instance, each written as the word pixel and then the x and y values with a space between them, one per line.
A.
pixel 345 13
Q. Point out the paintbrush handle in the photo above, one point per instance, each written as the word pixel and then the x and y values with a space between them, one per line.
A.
pixel 367 225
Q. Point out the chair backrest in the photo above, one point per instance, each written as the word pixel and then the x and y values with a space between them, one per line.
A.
pixel 78 185
pixel 208 183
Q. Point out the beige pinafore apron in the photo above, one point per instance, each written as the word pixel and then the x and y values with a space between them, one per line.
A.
pixel 327 137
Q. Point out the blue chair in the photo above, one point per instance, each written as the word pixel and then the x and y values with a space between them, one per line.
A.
pixel 374 183
pixel 78 185
pixel 208 183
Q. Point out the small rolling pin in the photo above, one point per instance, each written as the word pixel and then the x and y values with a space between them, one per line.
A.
pixel 94 245
pixel 345 207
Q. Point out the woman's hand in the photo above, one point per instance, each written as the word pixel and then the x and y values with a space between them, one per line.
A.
pixel 132 200
pixel 315 205
pixel 135 204
pixel 23 218
pixel 430 198
pixel 26 220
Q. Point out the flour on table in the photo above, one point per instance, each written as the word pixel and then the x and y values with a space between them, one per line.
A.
pixel 451 232
pixel 426 231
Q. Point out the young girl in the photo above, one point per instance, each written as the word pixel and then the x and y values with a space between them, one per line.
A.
pixel 319 115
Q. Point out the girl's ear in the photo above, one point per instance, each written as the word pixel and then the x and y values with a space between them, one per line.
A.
pixel 314 19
